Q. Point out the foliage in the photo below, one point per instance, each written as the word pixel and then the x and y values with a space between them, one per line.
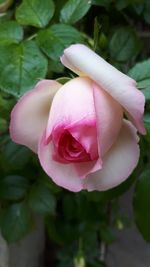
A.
pixel 33 35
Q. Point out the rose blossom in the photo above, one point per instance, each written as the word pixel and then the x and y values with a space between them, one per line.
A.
pixel 78 129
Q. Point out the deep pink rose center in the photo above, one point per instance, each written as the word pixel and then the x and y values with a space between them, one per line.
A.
pixel 77 143
pixel 71 150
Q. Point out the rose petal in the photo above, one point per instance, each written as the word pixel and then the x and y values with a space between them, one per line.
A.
pixel 81 59
pixel 73 103
pixel 69 176
pixel 118 163
pixel 86 135
pixel 30 115
pixel 109 115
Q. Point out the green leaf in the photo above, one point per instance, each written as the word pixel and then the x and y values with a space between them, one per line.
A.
pixel 147 123
pixel 3 125
pixel 97 264
pixel 54 189
pixel 6 104
pixel 141 73
pixel 35 12
pixel 10 32
pixel 121 4
pixel 96 33
pixel 103 41
pixel 15 221
pixel 53 229
pixel 124 44
pixel 104 3
pixel 138 8
pixel 146 93
pixel 13 187
pixel 59 5
pixel 15 155
pixel 146 12
pixel 74 10
pixel 41 200
pixel 56 66
pixel 21 66
pixel 63 80
pixel 141 204
pixel 56 38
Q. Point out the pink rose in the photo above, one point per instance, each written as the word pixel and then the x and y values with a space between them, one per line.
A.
pixel 78 129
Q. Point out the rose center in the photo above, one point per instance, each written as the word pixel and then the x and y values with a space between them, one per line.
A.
pixel 71 150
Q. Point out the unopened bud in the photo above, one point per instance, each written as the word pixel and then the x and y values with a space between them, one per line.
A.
pixel 103 41
pixel 79 262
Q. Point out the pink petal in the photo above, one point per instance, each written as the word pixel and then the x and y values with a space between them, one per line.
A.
pixel 69 176
pixel 109 115
pixel 81 59
pixel 86 135
pixel 118 163
pixel 29 116
pixel 73 103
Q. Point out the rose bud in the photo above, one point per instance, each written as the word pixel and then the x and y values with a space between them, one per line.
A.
pixel 78 129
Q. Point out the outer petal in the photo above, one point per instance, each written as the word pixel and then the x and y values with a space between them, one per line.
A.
pixel 109 115
pixel 69 176
pixel 81 59
pixel 118 163
pixel 29 116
